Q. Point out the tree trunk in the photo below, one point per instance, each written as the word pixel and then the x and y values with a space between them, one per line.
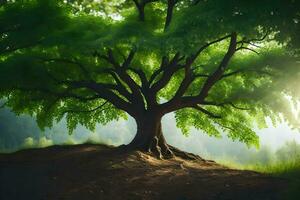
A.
pixel 149 136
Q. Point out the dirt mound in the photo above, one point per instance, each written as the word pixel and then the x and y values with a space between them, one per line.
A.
pixel 100 172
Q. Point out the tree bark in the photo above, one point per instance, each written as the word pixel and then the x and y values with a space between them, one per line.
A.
pixel 149 136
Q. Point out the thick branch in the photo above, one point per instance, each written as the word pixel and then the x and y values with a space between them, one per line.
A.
pixel 106 94
pixel 121 88
pixel 129 59
pixel 201 76
pixel 140 5
pixel 149 95
pixel 190 101
pixel 101 92
pixel 171 5
pixel 163 64
pixel 196 2
pixel 188 79
pixel 120 70
pixel 220 70
pixel 168 72
pixel 142 76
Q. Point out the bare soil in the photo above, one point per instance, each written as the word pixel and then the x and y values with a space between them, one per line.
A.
pixel 88 172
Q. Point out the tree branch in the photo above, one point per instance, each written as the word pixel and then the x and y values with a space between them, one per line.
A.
pixel 121 88
pixel 120 70
pixel 213 78
pixel 188 79
pixel 212 115
pixel 196 2
pixel 245 70
pixel 246 48
pixel 201 75
pixel 205 46
pixel 245 40
pixel 105 93
pixel 129 59
pixel 134 87
pixel 163 64
pixel 150 97
pixel 85 111
pixel 224 104
pixel 168 72
pixel 101 92
pixel 65 60
pixel 65 94
pixel 140 5
pixel 225 127
pixel 142 76
pixel 189 101
pixel 249 43
pixel 171 5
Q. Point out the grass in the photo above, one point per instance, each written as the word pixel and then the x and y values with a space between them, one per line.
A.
pixel 289 170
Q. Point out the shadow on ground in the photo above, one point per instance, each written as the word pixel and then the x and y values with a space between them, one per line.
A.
pixel 99 172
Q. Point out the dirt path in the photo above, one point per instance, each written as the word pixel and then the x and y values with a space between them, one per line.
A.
pixel 98 172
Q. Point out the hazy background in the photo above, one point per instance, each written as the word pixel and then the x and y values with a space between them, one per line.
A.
pixel 276 143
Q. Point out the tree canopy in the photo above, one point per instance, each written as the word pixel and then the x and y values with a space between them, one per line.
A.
pixel 219 65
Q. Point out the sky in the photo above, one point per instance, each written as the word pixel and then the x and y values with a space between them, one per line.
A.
pixel 18 132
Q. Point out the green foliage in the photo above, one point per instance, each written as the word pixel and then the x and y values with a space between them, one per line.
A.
pixel 45 45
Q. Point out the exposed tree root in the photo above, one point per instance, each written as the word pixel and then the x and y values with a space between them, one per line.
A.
pixel 160 149
pixel 164 151
pixel 185 155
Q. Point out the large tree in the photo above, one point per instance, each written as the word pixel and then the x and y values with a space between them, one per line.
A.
pixel 219 65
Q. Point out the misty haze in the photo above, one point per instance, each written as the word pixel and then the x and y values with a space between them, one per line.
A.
pixel 21 132
pixel 149 99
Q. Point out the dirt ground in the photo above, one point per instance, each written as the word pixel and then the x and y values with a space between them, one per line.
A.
pixel 88 172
